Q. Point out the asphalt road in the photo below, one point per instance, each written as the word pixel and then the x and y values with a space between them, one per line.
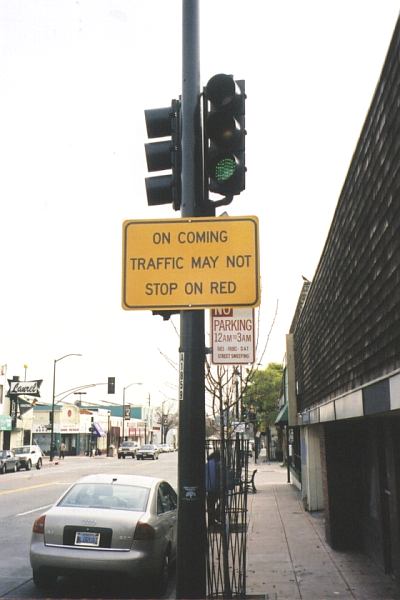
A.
pixel 23 498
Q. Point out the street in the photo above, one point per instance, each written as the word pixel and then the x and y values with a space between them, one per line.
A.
pixel 26 494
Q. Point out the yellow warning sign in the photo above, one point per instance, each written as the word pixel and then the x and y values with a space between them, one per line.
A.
pixel 182 264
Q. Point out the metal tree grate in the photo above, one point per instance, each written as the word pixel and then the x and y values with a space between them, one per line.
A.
pixel 226 558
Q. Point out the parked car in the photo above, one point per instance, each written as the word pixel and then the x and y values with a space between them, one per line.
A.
pixel 29 456
pixel 127 449
pixel 8 461
pixel 122 524
pixel 148 451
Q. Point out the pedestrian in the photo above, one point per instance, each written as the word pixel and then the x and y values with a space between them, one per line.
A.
pixel 62 450
pixel 213 467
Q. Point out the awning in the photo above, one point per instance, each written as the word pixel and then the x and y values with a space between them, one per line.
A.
pixel 99 431
pixel 282 417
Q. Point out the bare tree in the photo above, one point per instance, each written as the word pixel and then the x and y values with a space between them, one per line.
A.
pixel 227 386
pixel 167 416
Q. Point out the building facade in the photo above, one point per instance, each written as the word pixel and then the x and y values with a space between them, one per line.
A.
pixel 344 349
pixel 84 429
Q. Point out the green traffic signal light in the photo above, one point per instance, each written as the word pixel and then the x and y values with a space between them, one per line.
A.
pixel 224 169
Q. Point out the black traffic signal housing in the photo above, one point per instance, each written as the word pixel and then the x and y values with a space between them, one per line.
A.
pixel 224 135
pixel 166 314
pixel 111 385
pixel 164 155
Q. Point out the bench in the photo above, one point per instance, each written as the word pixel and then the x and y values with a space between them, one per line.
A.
pixel 248 484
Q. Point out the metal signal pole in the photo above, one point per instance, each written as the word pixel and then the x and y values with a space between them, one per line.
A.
pixel 191 543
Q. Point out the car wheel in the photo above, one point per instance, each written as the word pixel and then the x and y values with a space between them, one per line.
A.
pixel 28 465
pixel 15 468
pixel 119 456
pixel 43 579
pixel 39 464
pixel 123 456
pixel 3 469
pixel 163 577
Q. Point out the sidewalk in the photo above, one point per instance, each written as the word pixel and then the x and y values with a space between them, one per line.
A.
pixel 287 556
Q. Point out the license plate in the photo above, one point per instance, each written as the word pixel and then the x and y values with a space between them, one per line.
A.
pixel 87 538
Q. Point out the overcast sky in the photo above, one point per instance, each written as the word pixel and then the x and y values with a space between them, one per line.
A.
pixel 75 78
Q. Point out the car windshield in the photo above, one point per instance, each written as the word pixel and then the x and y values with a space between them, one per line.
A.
pixel 127 444
pixel 3 453
pixel 147 447
pixel 106 495
pixel 22 450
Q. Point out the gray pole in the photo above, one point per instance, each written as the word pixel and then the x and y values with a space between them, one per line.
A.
pixel 52 413
pixel 123 413
pixel 191 548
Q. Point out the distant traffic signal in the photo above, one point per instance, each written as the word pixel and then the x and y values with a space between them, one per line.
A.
pixel 224 135
pixel 164 155
pixel 111 385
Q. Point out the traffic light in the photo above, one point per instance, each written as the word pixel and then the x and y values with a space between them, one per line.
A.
pixel 111 385
pixel 224 135
pixel 164 155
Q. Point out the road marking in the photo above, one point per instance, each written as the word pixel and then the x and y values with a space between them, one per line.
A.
pixel 28 512
pixel 32 487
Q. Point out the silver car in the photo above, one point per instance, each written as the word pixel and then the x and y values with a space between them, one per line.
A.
pixel 148 451
pixel 8 461
pixel 121 524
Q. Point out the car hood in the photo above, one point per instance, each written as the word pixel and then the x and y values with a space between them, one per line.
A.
pixel 122 524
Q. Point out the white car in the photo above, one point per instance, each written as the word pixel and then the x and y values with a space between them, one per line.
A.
pixel 29 456
pixel 166 448
pixel 104 523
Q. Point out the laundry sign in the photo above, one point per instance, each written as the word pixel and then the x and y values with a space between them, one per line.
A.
pixel 25 388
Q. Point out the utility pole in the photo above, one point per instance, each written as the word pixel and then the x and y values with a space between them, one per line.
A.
pixel 191 546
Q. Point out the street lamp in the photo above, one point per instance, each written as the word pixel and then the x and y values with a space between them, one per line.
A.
pixel 56 360
pixel 123 405
pixel 147 422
